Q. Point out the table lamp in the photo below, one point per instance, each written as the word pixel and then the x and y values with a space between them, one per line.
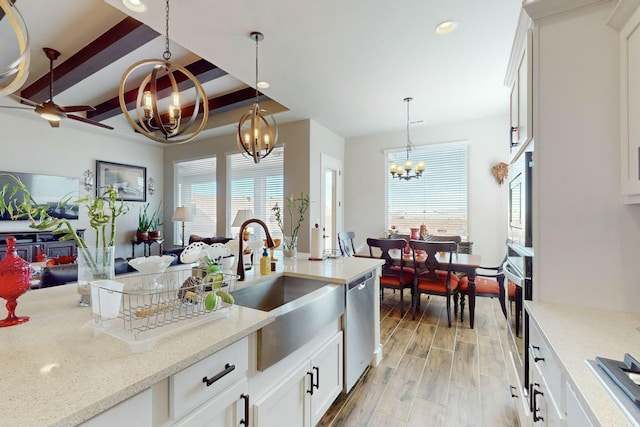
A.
pixel 182 214
pixel 241 216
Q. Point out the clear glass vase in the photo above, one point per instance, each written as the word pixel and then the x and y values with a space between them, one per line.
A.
pixel 290 247
pixel 94 264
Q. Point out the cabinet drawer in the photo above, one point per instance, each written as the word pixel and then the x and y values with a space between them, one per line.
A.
pixel 224 410
pixel 135 411
pixel 187 388
pixel 541 357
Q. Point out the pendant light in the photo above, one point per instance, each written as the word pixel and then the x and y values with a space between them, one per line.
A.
pixel 15 74
pixel 171 125
pixel 257 133
pixel 404 172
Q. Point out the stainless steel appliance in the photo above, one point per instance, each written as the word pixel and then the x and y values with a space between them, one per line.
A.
pixel 518 268
pixel 518 274
pixel 359 333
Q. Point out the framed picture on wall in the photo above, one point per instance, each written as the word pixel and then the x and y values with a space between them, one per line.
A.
pixel 130 181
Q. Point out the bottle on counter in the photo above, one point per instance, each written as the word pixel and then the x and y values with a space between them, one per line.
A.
pixel 265 262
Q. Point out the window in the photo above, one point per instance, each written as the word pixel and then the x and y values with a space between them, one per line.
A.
pixel 438 199
pixel 196 189
pixel 257 187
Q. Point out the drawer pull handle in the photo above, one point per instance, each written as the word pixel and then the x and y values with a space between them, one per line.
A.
pixel 227 369
pixel 310 391
pixel 317 384
pixel 536 410
pixel 245 421
pixel 513 389
pixel 532 351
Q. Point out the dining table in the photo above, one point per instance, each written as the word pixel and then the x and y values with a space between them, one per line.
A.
pixel 463 263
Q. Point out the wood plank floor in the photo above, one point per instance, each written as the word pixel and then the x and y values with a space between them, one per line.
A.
pixel 432 375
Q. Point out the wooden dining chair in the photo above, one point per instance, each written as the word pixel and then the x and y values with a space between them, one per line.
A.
pixel 396 274
pixel 433 277
pixel 346 243
pixel 489 283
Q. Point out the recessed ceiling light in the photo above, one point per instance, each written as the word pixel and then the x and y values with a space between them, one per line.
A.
pixel 445 27
pixel 263 85
pixel 135 5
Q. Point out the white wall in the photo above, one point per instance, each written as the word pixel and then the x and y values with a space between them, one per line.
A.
pixel 31 145
pixel 585 238
pixel 365 174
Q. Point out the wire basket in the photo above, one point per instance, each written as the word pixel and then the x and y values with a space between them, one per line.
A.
pixel 153 306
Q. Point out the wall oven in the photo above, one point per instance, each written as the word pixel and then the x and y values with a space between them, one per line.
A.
pixel 518 275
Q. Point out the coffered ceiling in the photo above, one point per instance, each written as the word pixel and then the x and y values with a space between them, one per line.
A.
pixel 346 64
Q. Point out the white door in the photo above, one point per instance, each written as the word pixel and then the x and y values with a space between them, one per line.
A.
pixel 331 199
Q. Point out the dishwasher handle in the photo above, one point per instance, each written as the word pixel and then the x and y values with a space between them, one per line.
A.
pixel 360 282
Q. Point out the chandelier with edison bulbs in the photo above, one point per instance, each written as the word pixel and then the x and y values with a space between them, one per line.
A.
pixel 403 172
pixel 257 132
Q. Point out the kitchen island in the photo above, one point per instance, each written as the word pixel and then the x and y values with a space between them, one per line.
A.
pixel 57 373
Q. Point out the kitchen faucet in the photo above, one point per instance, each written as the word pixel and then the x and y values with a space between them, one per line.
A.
pixel 270 244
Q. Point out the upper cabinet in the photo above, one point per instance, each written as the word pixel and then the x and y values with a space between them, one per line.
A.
pixel 630 106
pixel 519 79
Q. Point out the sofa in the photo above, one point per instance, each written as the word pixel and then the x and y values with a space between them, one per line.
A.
pixel 194 238
pixel 56 275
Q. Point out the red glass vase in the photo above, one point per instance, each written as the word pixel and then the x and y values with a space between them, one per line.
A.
pixel 15 280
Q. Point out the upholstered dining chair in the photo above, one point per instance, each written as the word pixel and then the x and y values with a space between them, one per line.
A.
pixel 346 243
pixel 433 277
pixel 396 274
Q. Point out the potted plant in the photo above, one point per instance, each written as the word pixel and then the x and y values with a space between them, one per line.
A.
pixel 155 224
pixel 95 262
pixel 144 224
pixel 296 207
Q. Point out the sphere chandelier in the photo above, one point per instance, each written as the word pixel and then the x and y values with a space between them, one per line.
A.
pixel 171 126
pixel 15 74
pixel 257 133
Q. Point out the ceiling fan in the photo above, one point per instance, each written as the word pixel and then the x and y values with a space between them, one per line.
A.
pixel 53 112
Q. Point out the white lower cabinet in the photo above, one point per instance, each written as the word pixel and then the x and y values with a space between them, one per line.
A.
pixel 576 415
pixel 227 409
pixel 135 411
pixel 304 395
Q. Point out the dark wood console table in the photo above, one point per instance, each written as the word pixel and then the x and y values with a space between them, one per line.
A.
pixel 146 246
pixel 30 243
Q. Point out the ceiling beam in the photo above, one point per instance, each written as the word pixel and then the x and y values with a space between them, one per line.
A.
pixel 203 70
pixel 123 38
pixel 222 104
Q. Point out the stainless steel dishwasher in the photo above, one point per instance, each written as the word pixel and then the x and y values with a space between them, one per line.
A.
pixel 359 329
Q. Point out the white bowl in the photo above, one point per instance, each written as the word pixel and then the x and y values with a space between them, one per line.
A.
pixel 151 264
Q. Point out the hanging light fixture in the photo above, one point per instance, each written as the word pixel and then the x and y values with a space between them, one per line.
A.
pixel 15 74
pixel 404 172
pixel 171 126
pixel 256 136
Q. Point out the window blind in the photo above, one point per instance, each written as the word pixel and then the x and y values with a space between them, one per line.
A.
pixel 439 198
pixel 257 187
pixel 196 189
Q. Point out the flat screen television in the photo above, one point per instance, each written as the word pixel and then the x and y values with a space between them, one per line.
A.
pixel 47 190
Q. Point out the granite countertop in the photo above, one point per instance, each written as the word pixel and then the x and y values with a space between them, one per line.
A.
pixel 577 334
pixel 57 373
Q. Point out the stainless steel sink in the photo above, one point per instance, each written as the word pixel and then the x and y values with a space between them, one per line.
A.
pixel 302 308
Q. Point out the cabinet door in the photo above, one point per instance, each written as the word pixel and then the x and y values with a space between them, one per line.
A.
pixel 630 108
pixel 326 366
pixel 523 99
pixel 135 411
pixel 23 251
pixel 56 249
pixel 226 409
pixel 287 404
pixel 543 410
pixel 576 415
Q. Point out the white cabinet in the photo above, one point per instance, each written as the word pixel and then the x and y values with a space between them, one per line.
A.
pixel 229 408
pixel 520 80
pixel 201 381
pixel 546 389
pixel 576 415
pixel 304 395
pixel 630 108
pixel 135 411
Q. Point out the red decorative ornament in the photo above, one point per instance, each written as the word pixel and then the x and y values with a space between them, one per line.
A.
pixel 15 280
